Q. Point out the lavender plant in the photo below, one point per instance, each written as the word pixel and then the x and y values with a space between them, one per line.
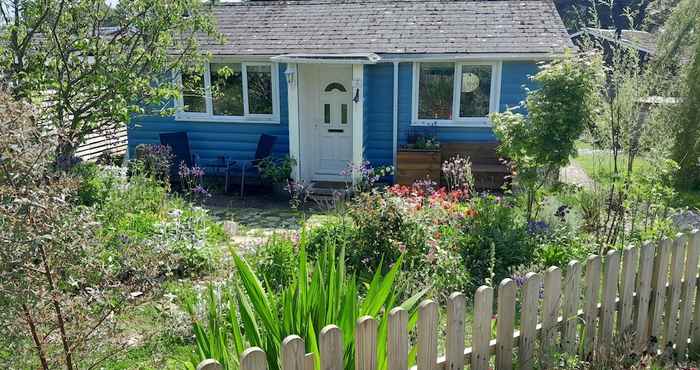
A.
pixel 191 182
pixel 458 174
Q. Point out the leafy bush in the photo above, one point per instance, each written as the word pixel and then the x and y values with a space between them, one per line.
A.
pixel 274 262
pixel 155 161
pixel 96 182
pixel 276 170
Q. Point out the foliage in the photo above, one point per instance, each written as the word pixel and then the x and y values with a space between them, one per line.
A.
pixel 365 176
pixel 563 106
pixel 155 161
pixel 96 182
pixel 458 174
pixel 326 296
pixel 274 262
pixel 62 301
pixel 277 170
pixel 191 183
pixel 101 64
pixel 686 148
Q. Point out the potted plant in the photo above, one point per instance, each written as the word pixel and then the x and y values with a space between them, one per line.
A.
pixel 419 158
pixel 278 172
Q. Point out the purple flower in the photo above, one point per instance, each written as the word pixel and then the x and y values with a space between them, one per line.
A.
pixel 201 191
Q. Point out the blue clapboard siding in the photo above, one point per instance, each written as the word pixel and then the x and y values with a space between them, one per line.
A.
pixel 378 114
pixel 211 140
pixel 514 78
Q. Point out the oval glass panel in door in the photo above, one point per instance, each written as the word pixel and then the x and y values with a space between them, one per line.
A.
pixel 344 114
pixel 327 113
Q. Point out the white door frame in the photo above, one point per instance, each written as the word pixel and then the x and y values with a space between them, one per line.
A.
pixel 297 128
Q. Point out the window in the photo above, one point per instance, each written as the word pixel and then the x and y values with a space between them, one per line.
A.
pixel 230 91
pixel 455 94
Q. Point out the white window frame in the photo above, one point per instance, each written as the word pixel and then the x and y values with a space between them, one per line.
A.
pixel 247 117
pixel 458 121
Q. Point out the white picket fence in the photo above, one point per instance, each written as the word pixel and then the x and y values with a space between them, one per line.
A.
pixel 646 295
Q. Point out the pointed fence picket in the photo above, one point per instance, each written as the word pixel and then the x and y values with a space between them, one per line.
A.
pixel 649 293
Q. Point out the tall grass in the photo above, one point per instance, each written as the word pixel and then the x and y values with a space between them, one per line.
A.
pixel 321 294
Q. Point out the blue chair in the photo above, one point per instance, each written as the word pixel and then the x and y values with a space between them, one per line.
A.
pixel 179 144
pixel 263 150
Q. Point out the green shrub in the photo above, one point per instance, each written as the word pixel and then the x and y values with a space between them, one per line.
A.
pixel 96 182
pixel 274 262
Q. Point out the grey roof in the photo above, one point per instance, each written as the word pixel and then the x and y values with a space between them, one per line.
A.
pixel 388 27
pixel 640 40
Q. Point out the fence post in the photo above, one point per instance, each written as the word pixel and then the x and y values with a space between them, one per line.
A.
pixel 454 347
pixel 426 359
pixel 674 295
pixel 550 314
pixel 646 267
pixel 630 255
pixel 505 322
pixel 397 339
pixel 658 296
pixel 330 346
pixel 607 312
pixel 528 321
pixel 209 364
pixel 688 293
pixel 366 343
pixel 293 352
pixel 481 336
pixel 253 359
pixel 572 296
pixel 590 307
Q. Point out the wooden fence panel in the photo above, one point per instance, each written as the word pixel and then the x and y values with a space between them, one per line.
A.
pixel 655 310
pixel 658 296
pixel 366 344
pixel 455 331
pixel 330 346
pixel 550 315
pixel 678 255
pixel 572 297
pixel 528 321
pixel 426 359
pixel 481 335
pixel 293 353
pixel 630 256
pixel 253 359
pixel 688 294
pixel 643 298
pixel 505 325
pixel 590 307
pixel 397 339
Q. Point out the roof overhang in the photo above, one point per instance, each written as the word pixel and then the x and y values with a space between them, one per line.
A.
pixel 358 58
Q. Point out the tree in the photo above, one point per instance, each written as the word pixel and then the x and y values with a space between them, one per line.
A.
pixel 686 149
pixel 91 67
pixel 563 106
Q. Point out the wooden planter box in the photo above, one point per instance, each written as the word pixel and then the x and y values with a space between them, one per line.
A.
pixel 413 165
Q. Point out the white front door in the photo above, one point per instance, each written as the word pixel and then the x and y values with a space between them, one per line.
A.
pixel 334 128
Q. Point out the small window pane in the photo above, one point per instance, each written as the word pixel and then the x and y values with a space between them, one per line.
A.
pixel 475 91
pixel 344 114
pixel 435 90
pixel 227 89
pixel 193 92
pixel 259 89
pixel 327 113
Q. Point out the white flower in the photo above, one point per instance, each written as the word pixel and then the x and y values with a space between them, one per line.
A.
pixel 175 213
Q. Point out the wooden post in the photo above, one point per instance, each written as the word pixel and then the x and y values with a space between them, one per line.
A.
pixel 590 307
pixel 674 294
pixel 646 267
pixel 688 294
pixel 455 332
pixel 481 335
pixel 550 315
pixel 209 364
pixel 253 359
pixel 397 339
pixel 607 311
pixel 528 321
pixel 330 346
pixel 293 352
pixel 505 321
pixel 658 296
pixel 366 343
pixel 426 358
pixel 572 297
pixel 630 255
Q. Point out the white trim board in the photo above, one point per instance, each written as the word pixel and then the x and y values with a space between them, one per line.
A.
pixel 357 116
pixel 294 129
pixel 494 101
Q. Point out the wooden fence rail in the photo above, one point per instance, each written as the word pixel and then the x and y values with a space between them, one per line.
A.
pixel 642 294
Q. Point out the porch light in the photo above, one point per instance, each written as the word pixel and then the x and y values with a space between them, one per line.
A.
pixel 290 74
